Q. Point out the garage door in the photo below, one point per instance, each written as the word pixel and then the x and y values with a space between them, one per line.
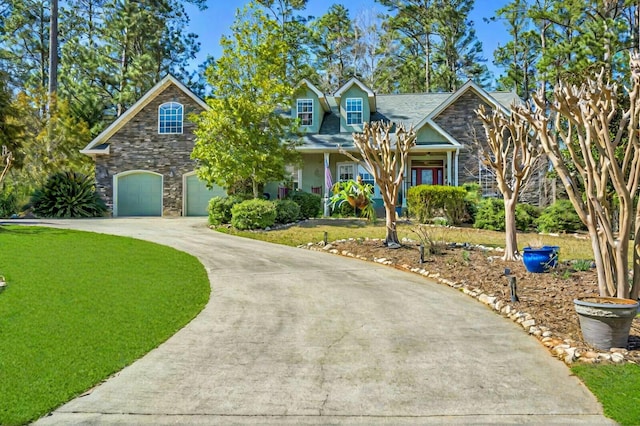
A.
pixel 198 195
pixel 139 194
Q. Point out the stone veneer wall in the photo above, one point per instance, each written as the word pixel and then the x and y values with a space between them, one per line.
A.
pixel 138 146
pixel 459 120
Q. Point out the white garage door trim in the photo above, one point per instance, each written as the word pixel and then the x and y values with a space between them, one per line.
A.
pixel 130 172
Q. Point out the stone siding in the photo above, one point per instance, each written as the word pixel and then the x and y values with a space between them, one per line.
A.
pixel 139 146
pixel 461 122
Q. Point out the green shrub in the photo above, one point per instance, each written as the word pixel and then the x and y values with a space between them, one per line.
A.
pixel 526 216
pixel 471 201
pixel 429 201
pixel 560 217
pixel 68 195
pixel 357 194
pixel 490 215
pixel 220 208
pixel 8 202
pixel 287 211
pixel 310 204
pixel 253 214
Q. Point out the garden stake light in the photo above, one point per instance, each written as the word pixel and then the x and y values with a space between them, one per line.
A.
pixel 421 250
pixel 512 285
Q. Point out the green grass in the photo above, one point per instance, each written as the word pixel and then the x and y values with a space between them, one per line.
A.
pixel 81 306
pixel 313 231
pixel 617 387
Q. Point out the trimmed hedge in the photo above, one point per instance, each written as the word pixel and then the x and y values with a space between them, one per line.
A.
pixel 287 211
pixel 220 208
pixel 253 214
pixel 310 204
pixel 428 201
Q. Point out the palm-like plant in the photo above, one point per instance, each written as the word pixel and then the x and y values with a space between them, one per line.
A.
pixel 358 194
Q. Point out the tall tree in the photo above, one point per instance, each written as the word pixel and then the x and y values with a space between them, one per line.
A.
pixel 245 136
pixel 333 41
pixel 458 55
pixel 414 24
pixel 294 32
pixel 518 55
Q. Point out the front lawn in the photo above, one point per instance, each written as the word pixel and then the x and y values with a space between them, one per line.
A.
pixel 81 306
pixel 617 387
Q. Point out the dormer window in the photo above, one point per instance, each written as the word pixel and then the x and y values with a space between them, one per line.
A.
pixel 170 118
pixel 305 112
pixel 354 111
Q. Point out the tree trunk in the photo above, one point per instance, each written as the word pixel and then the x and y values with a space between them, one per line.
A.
pixel 392 232
pixel 511 245
pixel 53 56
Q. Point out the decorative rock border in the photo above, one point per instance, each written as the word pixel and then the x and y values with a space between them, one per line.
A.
pixel 562 349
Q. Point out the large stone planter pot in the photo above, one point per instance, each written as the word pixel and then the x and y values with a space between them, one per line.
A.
pixel 606 321
pixel 540 259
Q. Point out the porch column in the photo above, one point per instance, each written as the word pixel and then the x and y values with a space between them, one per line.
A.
pixel 327 185
pixel 405 185
pixel 449 169
pixel 455 166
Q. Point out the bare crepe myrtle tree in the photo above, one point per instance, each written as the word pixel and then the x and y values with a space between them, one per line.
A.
pixel 511 151
pixel 601 140
pixel 384 156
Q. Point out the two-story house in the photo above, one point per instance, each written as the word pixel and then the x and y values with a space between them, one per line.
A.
pixel 143 162
pixel 445 123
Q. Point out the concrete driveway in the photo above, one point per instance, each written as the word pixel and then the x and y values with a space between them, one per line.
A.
pixel 297 337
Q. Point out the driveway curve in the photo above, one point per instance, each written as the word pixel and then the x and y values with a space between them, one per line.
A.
pixel 291 336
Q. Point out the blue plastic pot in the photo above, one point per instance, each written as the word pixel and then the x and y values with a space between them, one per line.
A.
pixel 540 259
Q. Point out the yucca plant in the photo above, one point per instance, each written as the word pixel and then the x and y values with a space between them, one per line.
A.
pixel 68 195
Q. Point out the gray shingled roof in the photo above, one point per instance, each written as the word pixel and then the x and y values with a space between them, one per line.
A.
pixel 399 108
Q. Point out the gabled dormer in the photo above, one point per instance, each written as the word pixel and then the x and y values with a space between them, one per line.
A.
pixel 309 106
pixel 356 103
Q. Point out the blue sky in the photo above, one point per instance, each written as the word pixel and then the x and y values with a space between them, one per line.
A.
pixel 215 21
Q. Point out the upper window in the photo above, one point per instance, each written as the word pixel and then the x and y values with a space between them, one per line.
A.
pixel 305 112
pixel 170 118
pixel 354 111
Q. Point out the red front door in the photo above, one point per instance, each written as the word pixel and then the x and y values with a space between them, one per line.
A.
pixel 426 176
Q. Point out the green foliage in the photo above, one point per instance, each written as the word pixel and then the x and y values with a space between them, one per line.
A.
pixel 491 215
pixel 310 204
pixel 429 201
pixel 253 214
pixel 617 387
pixel 8 202
pixel 220 209
pixel 471 201
pixel 526 216
pixel 79 307
pixel 244 135
pixel 357 194
pixel 287 211
pixel 582 264
pixel 67 195
pixel 561 216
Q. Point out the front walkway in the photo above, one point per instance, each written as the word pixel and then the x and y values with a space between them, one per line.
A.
pixel 299 337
